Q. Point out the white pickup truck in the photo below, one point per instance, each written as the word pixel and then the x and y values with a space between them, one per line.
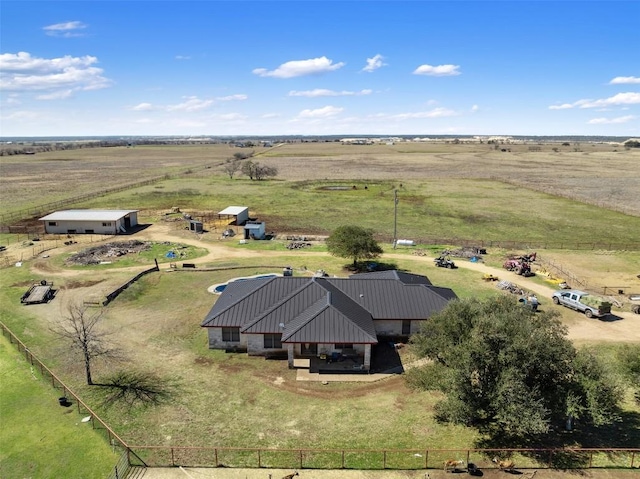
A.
pixel 591 306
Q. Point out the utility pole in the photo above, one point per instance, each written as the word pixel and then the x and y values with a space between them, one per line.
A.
pixel 395 218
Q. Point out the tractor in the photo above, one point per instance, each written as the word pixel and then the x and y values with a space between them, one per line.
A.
pixel 518 266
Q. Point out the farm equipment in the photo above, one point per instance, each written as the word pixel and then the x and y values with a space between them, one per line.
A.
pixel 518 266
pixel 41 292
pixel 443 261
pixel 489 277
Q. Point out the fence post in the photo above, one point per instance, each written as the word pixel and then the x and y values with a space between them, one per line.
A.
pixel 259 459
pixel 302 467
pixel 216 455
pixel 173 462
pixel 426 459
pixel 384 459
pixel 343 459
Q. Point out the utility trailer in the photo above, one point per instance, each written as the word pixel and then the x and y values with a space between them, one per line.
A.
pixel 41 292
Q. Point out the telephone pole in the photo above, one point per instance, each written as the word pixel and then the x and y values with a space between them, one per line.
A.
pixel 395 218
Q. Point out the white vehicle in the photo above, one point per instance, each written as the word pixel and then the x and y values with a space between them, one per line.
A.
pixel 591 306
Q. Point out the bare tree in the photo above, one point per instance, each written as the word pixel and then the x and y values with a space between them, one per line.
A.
pixel 80 326
pixel 231 167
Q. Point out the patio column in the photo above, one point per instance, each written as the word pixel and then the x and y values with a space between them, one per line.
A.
pixel 290 355
pixel 367 357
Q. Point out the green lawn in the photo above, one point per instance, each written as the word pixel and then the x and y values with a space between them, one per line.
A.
pixel 38 437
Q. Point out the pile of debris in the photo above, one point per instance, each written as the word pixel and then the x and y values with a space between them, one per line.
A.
pixel 298 245
pixel 102 253
pixel 468 252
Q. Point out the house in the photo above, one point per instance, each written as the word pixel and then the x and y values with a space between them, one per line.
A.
pixel 104 222
pixel 319 316
pixel 240 213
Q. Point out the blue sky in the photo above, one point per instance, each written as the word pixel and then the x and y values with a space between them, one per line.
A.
pixel 319 68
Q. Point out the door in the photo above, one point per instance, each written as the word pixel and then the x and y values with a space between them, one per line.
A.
pixel 309 349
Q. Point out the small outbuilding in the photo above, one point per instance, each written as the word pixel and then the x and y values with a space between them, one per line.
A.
pixel 240 213
pixel 104 222
pixel 254 230
pixel 196 226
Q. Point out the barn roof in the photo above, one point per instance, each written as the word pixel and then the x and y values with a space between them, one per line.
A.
pixel 324 309
pixel 233 210
pixel 87 215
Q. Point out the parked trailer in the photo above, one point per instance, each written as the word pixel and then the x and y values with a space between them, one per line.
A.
pixel 38 293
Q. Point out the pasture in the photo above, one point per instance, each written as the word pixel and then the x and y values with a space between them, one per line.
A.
pixel 448 191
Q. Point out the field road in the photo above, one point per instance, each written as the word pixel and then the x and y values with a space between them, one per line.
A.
pixel 621 327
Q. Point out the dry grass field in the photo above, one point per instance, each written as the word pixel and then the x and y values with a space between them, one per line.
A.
pixel 600 174
pixel 233 400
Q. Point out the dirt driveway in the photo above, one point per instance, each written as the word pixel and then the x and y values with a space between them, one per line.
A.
pixel 621 327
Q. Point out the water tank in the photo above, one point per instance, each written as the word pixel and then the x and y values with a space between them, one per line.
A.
pixel 405 242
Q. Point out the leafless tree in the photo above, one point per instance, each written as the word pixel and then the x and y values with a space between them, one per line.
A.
pixel 231 167
pixel 81 328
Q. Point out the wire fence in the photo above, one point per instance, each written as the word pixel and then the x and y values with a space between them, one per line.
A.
pixel 361 459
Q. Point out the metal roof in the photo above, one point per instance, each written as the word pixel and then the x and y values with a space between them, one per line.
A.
pixel 406 278
pixel 87 215
pixel 233 210
pixel 324 309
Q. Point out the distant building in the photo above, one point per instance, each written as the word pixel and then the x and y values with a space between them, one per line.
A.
pixel 104 222
pixel 240 213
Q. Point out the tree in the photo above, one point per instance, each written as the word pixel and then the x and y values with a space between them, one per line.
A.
pixel 81 327
pixel 510 372
pixel 256 171
pixel 353 242
pixel 231 167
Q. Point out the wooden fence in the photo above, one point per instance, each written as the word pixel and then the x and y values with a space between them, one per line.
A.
pixel 114 294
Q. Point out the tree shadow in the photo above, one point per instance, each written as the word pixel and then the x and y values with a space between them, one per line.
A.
pixel 555 447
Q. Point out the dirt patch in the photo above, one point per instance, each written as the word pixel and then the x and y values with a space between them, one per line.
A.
pixel 203 361
pixel 82 284
pixel 106 252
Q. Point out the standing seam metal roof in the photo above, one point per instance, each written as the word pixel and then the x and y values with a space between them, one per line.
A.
pixel 324 309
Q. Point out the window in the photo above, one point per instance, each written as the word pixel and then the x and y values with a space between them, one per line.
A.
pixel 231 334
pixel 273 341
pixel 53 223
pixel 106 224
pixel 344 346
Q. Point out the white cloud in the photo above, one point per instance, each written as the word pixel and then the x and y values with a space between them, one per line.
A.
pixel 611 121
pixel 374 63
pixel 624 80
pixel 325 112
pixel 191 103
pixel 232 97
pixel 435 113
pixel 296 68
pixel 437 71
pixel 271 115
pixel 66 29
pixel 22 72
pixel 628 98
pixel 475 108
pixel 56 95
pixel 143 107
pixel 320 92
pixel 183 57
pixel 564 106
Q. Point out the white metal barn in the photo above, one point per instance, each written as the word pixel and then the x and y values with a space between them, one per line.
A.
pixel 103 222
pixel 241 213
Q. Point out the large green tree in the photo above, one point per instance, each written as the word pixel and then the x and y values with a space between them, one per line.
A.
pixel 510 372
pixel 353 242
